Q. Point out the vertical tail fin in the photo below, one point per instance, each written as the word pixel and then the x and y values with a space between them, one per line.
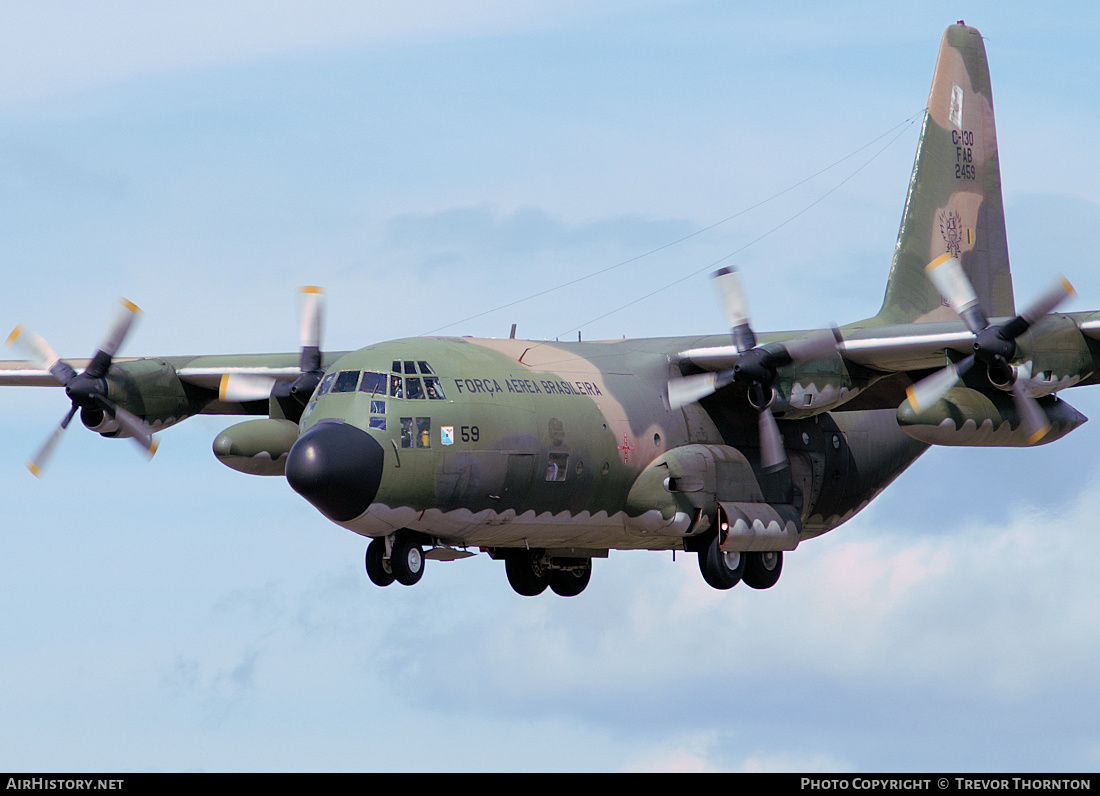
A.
pixel 954 203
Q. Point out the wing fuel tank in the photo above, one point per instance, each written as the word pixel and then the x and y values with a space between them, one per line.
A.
pixel 257 447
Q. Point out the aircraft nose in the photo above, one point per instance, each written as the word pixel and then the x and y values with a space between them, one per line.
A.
pixel 336 467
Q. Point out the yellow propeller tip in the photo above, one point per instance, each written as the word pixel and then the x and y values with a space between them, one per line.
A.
pixel 1067 286
pixel 938 262
pixel 153 448
pixel 311 289
pixel 911 395
pixel 1038 435
pixel 131 306
pixel 34 469
pixel 18 330
pixel 222 385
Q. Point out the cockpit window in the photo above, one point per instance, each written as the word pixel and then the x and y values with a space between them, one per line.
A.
pixel 373 383
pixel 346 381
pixel 326 383
pixel 410 379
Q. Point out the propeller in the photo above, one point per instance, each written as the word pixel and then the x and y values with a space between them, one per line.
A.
pixel 994 346
pixel 253 387
pixel 86 390
pixel 756 367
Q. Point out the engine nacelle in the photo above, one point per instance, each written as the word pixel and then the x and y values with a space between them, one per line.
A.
pixel 147 388
pixel 102 423
pixel 257 447
pixel 965 417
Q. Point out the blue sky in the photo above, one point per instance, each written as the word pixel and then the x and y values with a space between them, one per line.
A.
pixel 427 165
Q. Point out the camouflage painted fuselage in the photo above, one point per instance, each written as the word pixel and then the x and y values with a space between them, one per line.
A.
pixel 548 444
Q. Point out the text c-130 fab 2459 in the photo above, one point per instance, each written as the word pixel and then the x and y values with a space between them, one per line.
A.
pixel 736 447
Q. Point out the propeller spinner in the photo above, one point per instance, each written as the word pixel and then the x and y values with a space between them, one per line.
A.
pixel 86 390
pixel 994 346
pixel 756 368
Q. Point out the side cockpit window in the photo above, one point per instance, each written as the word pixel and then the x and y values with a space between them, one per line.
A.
pixel 434 388
pixel 326 384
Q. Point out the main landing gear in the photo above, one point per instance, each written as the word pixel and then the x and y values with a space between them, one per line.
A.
pixel 531 571
pixel 398 556
pixel 724 569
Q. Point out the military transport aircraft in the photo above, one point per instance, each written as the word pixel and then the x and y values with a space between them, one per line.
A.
pixel 548 455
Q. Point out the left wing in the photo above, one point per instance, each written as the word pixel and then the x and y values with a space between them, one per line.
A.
pixel 135 397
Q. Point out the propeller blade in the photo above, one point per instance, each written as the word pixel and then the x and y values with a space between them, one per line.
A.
pixel 239 387
pixel 1031 413
pixel 40 353
pixel 1046 303
pixel 931 388
pixel 140 431
pixel 116 334
pixel 309 330
pixel 772 455
pixel 312 317
pixel 38 463
pixel 730 293
pixel 947 274
pixel 690 389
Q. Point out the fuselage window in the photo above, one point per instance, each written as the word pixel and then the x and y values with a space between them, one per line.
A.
pixel 413 388
pixel 346 381
pixel 557 465
pixel 410 367
pixel 418 434
pixel 425 368
pixel 397 389
pixel 373 383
